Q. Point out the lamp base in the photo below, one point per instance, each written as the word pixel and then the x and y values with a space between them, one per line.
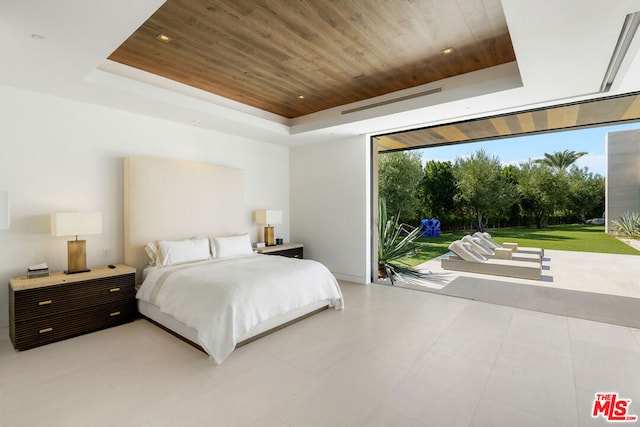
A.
pixel 268 236
pixel 76 272
pixel 77 256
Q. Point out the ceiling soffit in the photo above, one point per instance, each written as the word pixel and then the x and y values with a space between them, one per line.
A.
pixel 270 53
pixel 603 111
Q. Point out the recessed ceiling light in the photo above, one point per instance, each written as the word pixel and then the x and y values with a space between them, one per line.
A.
pixel 447 51
pixel 300 96
pixel 163 38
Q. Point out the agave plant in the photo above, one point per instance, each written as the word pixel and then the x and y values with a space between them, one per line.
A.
pixel 396 242
pixel 628 225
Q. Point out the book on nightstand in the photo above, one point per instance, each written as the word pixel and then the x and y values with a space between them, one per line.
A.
pixel 39 270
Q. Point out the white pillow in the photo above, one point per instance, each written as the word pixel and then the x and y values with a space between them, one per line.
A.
pixel 178 251
pixel 212 247
pixel 232 245
pixel 152 252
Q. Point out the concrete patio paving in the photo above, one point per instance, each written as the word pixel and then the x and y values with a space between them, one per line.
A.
pixel 593 286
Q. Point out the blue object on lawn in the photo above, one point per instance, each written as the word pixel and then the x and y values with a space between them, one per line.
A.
pixel 430 227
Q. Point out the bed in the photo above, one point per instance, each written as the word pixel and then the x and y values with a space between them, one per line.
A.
pixel 202 280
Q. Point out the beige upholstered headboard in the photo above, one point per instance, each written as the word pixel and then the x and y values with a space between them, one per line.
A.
pixel 168 199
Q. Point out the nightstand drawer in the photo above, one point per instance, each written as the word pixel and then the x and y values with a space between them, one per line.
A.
pixel 290 253
pixel 55 328
pixel 50 300
pixel 290 250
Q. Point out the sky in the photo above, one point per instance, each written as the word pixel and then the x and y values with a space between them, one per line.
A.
pixel 520 149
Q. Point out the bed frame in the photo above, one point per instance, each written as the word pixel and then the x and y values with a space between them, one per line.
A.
pixel 168 199
pixel 188 335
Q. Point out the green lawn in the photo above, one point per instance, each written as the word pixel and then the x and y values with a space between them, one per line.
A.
pixel 581 238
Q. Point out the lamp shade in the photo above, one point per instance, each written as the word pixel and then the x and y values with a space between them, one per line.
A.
pixel 267 216
pixel 76 223
pixel 5 210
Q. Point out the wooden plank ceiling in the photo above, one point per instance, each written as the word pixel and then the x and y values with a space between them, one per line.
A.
pixel 589 113
pixel 296 57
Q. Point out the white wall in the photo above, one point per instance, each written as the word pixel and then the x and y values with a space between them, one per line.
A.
pixel 623 174
pixel 61 155
pixel 330 205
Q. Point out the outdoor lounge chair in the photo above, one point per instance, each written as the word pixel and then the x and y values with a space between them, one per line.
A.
pixel 464 258
pixel 513 246
pixel 479 245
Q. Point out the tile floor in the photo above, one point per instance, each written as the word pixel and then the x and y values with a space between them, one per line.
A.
pixel 393 357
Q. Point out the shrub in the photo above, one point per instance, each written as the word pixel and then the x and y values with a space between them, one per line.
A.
pixel 396 242
pixel 628 225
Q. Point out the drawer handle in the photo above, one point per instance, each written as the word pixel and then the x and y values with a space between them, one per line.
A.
pixel 115 313
pixel 114 290
pixel 45 302
pixel 42 331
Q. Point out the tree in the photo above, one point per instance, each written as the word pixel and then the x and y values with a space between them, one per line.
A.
pixel 561 160
pixel 439 190
pixel 586 194
pixel 541 190
pixel 510 172
pixel 514 213
pixel 482 187
pixel 399 177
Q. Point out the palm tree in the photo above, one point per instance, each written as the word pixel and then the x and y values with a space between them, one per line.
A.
pixel 561 160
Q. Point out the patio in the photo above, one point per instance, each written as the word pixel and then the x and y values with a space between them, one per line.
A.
pixel 593 286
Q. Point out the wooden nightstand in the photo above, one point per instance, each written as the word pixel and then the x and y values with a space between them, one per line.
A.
pixel 291 250
pixel 60 306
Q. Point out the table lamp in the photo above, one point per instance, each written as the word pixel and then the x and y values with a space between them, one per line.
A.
pixel 73 224
pixel 268 217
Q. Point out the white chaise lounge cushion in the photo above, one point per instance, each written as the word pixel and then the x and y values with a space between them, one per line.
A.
pixel 486 238
pixel 478 246
pixel 519 249
pixel 482 243
pixel 465 251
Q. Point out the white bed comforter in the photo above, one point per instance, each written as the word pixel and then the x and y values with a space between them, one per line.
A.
pixel 224 298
